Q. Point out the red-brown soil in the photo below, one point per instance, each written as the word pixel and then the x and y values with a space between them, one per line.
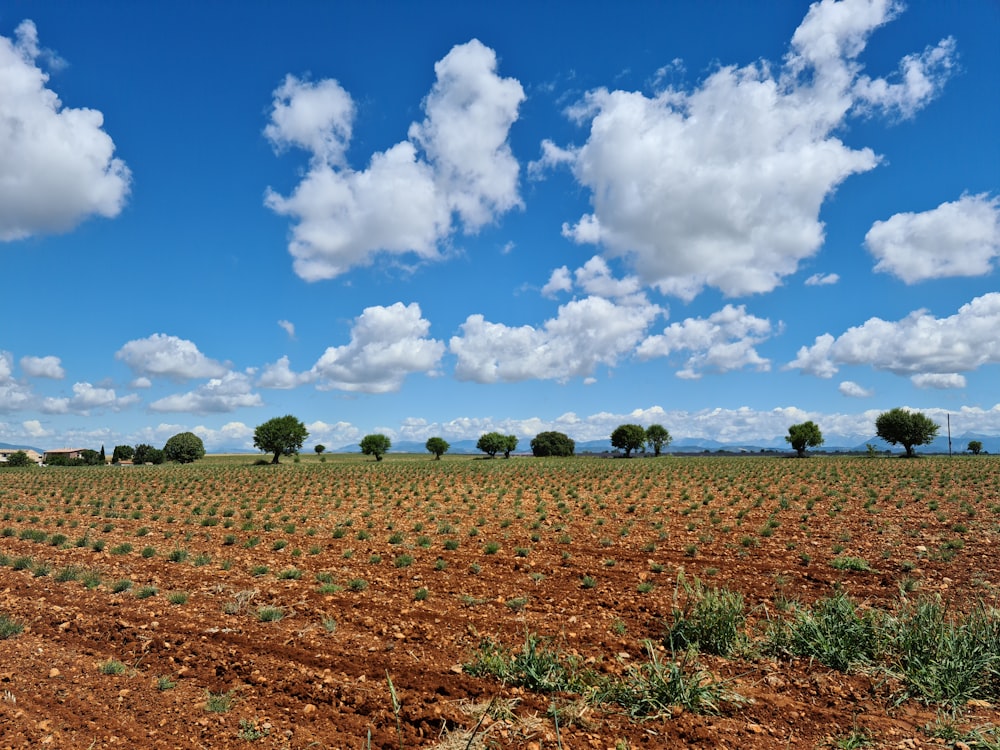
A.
pixel 322 676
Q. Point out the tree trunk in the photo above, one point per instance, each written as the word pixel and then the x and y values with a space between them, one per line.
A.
pixel 276 455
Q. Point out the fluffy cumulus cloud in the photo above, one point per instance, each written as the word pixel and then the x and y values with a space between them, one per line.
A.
pixel 961 238
pixel 722 185
pixel 725 340
pixel 387 344
pixel 232 391
pixel 456 162
pixel 13 395
pixel 279 375
pixel 938 349
pixel 584 334
pixel 87 398
pixel 853 390
pixel 161 355
pixel 57 164
pixel 43 367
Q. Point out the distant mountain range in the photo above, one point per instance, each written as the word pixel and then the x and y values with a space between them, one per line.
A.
pixel 9 447
pixel 833 444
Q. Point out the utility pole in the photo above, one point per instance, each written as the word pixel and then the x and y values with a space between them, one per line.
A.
pixel 949 435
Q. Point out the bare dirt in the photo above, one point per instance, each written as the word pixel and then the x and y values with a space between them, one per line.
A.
pixel 328 544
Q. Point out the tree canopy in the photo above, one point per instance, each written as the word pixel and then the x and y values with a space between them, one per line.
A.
pixel 658 438
pixel 492 443
pixel 184 448
pixel 375 445
pixel 906 428
pixel 509 444
pixel 552 444
pixel 147 454
pixel 438 446
pixel 628 437
pixel 19 459
pixel 319 449
pixel 122 453
pixel 802 436
pixel 975 447
pixel 282 436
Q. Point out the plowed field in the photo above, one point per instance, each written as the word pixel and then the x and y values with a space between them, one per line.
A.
pixel 339 604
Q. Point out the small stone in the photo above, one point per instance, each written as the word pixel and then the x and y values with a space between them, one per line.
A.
pixel 309 709
pixel 54 672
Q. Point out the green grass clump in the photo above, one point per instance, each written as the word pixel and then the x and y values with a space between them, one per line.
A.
pixel 112 666
pixel 847 562
pixel 270 614
pixel 651 690
pixel 707 619
pixel 9 627
pixel 944 658
pixel 835 632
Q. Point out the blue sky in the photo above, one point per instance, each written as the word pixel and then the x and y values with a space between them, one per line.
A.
pixel 448 218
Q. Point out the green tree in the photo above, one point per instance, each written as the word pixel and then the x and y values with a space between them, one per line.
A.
pixel 907 428
pixel 491 443
pixel 510 444
pixel 802 436
pixel 438 446
pixel 19 459
pixel 122 453
pixel 658 437
pixel 147 454
pixel 90 457
pixel 319 449
pixel 282 436
pixel 552 444
pixel 628 437
pixel 975 447
pixel 375 445
pixel 184 448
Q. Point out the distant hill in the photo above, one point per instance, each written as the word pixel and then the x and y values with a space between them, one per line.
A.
pixel 833 444
pixel 9 446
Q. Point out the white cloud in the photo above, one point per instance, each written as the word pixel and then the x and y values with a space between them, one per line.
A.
pixel 333 435
pixel 722 185
pixel 723 341
pixel 316 117
pixel 403 202
pixel 943 380
pixel 822 279
pixel 387 344
pixel 219 395
pixel 141 382
pixel 13 395
pixel 961 238
pixel 161 355
pixel 57 164
pixel 279 375
pixel 231 435
pixel 816 359
pixel 43 367
pixel 919 344
pixel 288 328
pixel 560 281
pixel 86 398
pixel 584 334
pixel 33 428
pixel 853 390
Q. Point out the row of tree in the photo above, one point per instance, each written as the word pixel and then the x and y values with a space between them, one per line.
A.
pixel 896 427
pixel 284 436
